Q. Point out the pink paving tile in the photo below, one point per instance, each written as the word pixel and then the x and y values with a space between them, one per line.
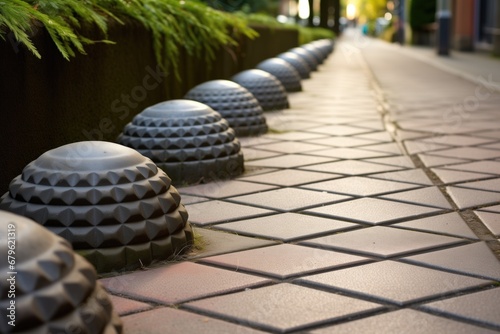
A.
pixel 416 176
pixel 491 220
pixel 124 306
pixel 348 153
pixel 289 177
pixel 351 167
pixel 178 283
pixel 448 176
pixel 284 261
pixel 429 196
pixel 467 198
pixel 287 147
pixel 288 161
pixel 340 130
pixel 172 321
pixel 448 224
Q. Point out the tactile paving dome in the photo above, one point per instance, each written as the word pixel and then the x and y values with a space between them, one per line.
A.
pixel 283 71
pixel 187 139
pixel 266 88
pixel 55 289
pixel 235 103
pixel 112 204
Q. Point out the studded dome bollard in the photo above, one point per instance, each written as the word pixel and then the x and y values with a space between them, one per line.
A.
pixel 266 88
pixel 48 288
pixel 297 62
pixel 235 103
pixel 307 56
pixel 317 54
pixel 187 139
pixel 283 71
pixel 114 205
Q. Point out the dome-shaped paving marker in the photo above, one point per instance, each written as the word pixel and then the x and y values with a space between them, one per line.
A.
pixel 114 205
pixel 265 87
pixel 283 71
pixel 297 62
pixel 55 289
pixel 235 103
pixel 187 139
pixel 307 56
pixel 327 45
pixel 317 54
pixel 321 47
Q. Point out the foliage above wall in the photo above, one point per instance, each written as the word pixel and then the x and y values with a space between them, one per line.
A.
pixel 192 25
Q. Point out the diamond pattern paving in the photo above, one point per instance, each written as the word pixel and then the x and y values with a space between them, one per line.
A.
pixel 473 259
pixel 382 241
pixel 287 199
pixel 284 261
pixel 179 283
pixel 289 177
pixel 212 212
pixel 223 189
pixel 448 224
pixel 430 196
pixel 373 211
pixel 394 282
pixel 404 321
pixel 283 307
pixel 360 186
pixel 351 167
pixel 485 310
pixel 287 226
pixel 169 320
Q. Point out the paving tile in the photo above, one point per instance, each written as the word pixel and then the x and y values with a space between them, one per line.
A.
pixel 212 243
pixel 288 161
pixel 188 199
pixel 167 320
pixel 293 136
pixel 491 134
pixel 287 226
pixel 404 321
pixel 485 310
pixel 473 259
pixel 287 147
pixel 178 283
pixel 284 261
pixel 385 147
pixel 124 306
pixel 340 130
pixel 467 198
pixel 430 196
pixel 342 141
pixel 471 153
pixel 493 208
pixel 251 154
pixel 351 167
pixel 453 176
pixel 400 161
pixel 348 153
pixel 381 136
pixel 489 185
pixel 258 140
pixel 360 186
pixel 283 307
pixel 416 176
pixel 288 199
pixel 382 241
pixel 415 147
pixel 487 167
pixel 289 177
pixel 212 212
pixel 407 134
pixel 222 189
pixel 373 211
pixel 448 223
pixel 491 220
pixel 434 161
pixel 394 282
pixel 458 140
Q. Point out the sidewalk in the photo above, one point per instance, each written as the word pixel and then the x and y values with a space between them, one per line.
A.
pixel 372 207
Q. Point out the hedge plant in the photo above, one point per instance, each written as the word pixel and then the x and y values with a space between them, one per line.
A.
pixel 173 24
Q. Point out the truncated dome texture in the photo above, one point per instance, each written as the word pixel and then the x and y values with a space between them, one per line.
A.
pixel 112 204
pixel 187 139
pixel 266 88
pixel 235 103
pixel 297 62
pixel 284 72
pixel 55 289
pixel 307 57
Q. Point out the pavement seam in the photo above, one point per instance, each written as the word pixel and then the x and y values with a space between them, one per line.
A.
pixel 474 223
